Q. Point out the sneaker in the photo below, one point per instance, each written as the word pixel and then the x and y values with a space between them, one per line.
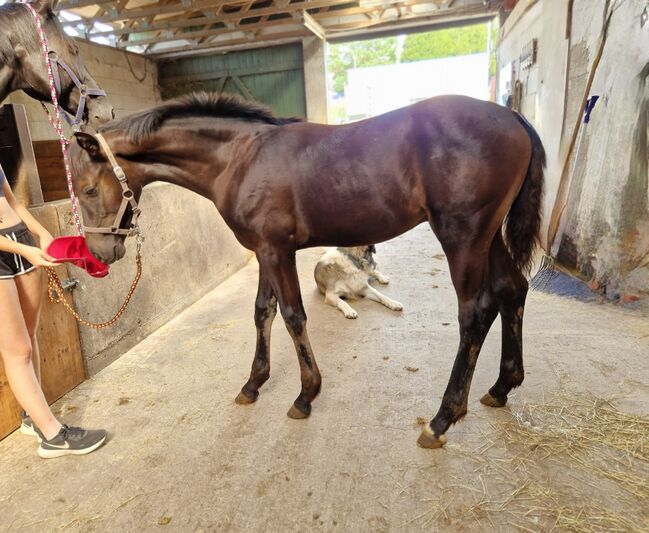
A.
pixel 72 441
pixel 27 426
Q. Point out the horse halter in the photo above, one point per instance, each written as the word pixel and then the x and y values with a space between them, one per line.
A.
pixel 128 198
pixel 85 92
pixel 56 63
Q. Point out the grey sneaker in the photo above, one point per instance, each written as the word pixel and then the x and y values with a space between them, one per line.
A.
pixel 72 441
pixel 27 426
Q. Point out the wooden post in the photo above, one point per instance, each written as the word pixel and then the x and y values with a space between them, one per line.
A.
pixel 17 155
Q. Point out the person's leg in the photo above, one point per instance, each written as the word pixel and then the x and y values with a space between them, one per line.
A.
pixel 16 348
pixel 30 294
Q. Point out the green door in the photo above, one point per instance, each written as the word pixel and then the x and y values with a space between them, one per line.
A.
pixel 273 76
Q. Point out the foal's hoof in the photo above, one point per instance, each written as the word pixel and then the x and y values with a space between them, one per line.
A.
pixel 427 439
pixel 492 401
pixel 246 397
pixel 298 413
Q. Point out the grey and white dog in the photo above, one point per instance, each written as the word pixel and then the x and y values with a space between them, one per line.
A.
pixel 345 273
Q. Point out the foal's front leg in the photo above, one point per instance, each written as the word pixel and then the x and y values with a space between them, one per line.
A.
pixel 265 311
pixel 279 266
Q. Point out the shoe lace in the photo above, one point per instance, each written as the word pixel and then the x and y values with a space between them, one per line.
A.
pixel 72 432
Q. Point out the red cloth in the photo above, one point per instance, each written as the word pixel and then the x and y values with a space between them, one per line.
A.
pixel 75 250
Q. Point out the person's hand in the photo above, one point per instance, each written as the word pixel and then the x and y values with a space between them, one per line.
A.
pixel 38 257
pixel 45 239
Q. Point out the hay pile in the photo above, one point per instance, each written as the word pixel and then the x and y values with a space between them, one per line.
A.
pixel 603 450
pixel 574 464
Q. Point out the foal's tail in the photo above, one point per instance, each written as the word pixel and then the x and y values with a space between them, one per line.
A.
pixel 524 219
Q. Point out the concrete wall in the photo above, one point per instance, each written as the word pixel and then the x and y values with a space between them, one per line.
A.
pixel 315 79
pixel 607 218
pixel 110 69
pixel 544 85
pixel 188 251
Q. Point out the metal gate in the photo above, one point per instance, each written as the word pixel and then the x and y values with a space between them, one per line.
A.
pixel 273 76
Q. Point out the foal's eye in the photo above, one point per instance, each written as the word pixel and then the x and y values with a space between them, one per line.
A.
pixel 90 191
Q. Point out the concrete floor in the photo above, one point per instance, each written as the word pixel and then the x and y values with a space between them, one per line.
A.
pixel 184 457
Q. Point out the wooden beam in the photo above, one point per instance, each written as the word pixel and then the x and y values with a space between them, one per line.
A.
pixel 77 4
pixel 270 39
pixel 211 32
pixel 312 25
pixel 226 17
pixel 156 9
pixel 225 45
pixel 331 29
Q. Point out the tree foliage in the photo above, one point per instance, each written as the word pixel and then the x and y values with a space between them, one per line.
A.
pixel 359 54
pixel 445 43
pixel 416 47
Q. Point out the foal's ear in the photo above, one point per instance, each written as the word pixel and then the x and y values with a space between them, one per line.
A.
pixel 89 144
pixel 44 6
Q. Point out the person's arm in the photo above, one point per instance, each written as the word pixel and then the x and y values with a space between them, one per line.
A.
pixel 36 256
pixel 44 236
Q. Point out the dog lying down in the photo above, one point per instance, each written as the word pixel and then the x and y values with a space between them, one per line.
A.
pixel 345 273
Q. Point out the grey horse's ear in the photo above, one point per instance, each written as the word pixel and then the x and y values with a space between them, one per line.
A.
pixel 45 6
pixel 89 143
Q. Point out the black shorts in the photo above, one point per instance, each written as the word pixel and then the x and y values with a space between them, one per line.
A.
pixel 12 265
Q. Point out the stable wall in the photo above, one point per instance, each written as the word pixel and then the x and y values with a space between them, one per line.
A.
pixel 606 221
pixel 544 84
pixel 273 76
pixel 188 251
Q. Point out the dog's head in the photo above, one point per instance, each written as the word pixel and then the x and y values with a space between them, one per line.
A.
pixel 363 254
pixel 368 255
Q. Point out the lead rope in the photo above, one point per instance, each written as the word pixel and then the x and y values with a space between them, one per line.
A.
pixel 56 296
pixel 55 289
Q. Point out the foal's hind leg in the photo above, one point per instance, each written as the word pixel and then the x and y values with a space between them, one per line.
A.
pixel 279 265
pixel 510 289
pixel 476 312
pixel 265 311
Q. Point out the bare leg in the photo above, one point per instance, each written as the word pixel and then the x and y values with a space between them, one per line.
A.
pixel 477 311
pixel 19 307
pixel 336 301
pixel 510 289
pixel 372 294
pixel 265 311
pixel 279 266
pixel 30 295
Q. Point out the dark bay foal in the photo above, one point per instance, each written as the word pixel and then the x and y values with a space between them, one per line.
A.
pixel 472 169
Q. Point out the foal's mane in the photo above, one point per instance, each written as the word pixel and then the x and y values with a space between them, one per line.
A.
pixel 141 125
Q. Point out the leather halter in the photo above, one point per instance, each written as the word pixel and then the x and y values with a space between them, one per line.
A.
pixel 84 91
pixel 128 198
